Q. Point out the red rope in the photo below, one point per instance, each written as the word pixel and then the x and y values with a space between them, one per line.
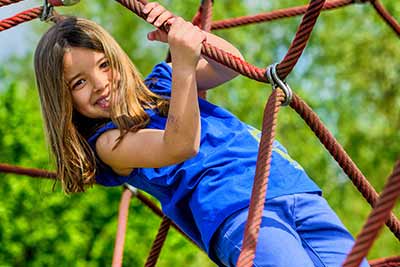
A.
pixel 8 2
pixel 21 17
pixel 205 12
pixel 149 203
pixel 342 158
pixel 274 15
pixel 206 15
pixel 36 173
pixel 121 230
pixel 244 68
pixel 158 242
pixel 386 262
pixel 300 40
pixel 376 219
pixel 218 55
pixel 385 15
pixel 260 183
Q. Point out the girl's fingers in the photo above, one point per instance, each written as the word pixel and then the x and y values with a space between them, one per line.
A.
pixel 157 35
pixel 148 7
pixel 171 20
pixel 195 38
pixel 155 13
pixel 200 33
pixel 184 35
pixel 178 26
pixel 162 18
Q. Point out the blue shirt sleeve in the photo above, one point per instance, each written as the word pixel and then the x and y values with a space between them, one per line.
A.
pixel 108 126
pixel 160 79
pixel 104 174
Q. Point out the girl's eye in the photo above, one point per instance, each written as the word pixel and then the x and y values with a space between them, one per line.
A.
pixel 78 84
pixel 105 64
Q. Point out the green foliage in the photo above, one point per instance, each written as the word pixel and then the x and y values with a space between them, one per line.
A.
pixel 348 74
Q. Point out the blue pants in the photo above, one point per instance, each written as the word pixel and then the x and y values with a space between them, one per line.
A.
pixel 299 230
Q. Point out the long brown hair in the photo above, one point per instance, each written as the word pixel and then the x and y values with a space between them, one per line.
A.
pixel 67 130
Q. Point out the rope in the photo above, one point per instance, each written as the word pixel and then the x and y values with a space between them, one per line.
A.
pixel 145 200
pixel 218 55
pixel 340 155
pixel 121 229
pixel 274 15
pixel 375 220
pixel 205 13
pixel 243 67
pixel 296 11
pixel 300 40
pixel 8 2
pixel 212 52
pixel 35 173
pixel 259 190
pixel 158 242
pixel 385 15
pixel 386 262
pixel 21 17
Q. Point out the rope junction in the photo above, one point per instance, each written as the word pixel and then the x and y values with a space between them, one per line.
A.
pixel 276 74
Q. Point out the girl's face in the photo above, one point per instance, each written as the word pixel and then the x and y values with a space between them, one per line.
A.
pixel 88 76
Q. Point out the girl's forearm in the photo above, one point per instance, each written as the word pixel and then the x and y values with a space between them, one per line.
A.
pixel 182 132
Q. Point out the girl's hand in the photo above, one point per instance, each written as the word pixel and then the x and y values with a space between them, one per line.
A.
pixel 184 38
pixel 185 41
pixel 157 15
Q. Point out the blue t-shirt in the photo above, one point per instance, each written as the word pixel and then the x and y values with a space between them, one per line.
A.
pixel 199 193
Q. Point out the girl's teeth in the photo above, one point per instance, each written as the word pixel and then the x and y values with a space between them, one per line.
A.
pixel 104 102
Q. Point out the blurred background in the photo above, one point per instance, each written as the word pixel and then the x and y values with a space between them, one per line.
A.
pixel 349 74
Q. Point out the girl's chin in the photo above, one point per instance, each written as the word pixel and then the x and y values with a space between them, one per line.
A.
pixel 103 113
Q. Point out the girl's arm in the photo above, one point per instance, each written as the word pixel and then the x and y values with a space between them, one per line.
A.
pixel 209 73
pixel 181 138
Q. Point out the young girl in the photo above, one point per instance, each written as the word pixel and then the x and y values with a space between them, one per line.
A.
pixel 105 125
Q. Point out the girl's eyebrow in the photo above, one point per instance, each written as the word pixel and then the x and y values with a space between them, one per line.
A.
pixel 79 73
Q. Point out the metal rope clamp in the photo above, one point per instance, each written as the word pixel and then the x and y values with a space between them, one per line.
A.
pixel 47 10
pixel 131 188
pixel 276 82
pixel 49 5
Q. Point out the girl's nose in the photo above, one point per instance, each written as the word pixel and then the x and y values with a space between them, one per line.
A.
pixel 100 83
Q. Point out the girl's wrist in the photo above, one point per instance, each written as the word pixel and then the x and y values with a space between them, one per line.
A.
pixel 183 67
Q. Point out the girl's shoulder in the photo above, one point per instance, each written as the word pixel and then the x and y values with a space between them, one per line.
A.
pixel 99 131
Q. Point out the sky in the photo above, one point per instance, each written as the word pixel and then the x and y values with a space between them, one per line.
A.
pixel 14 40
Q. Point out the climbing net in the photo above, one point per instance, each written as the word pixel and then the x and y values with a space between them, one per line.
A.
pixel 275 74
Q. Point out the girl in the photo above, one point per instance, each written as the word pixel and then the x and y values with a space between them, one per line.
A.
pixel 105 125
